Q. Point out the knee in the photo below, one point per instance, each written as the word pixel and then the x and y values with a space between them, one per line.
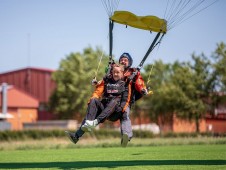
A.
pixel 93 100
pixel 125 116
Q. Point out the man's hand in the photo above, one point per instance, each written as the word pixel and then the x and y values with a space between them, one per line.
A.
pixel 144 91
pixel 94 81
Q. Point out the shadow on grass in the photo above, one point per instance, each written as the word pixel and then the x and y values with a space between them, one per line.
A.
pixel 108 164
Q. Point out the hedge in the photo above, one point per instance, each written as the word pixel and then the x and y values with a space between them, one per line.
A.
pixel 99 134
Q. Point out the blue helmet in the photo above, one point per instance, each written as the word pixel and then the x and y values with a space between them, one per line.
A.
pixel 127 55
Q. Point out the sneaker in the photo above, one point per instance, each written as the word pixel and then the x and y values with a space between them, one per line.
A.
pixel 86 128
pixel 72 137
pixel 124 140
pixel 92 123
pixel 89 125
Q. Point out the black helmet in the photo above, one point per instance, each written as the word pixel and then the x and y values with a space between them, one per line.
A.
pixel 127 55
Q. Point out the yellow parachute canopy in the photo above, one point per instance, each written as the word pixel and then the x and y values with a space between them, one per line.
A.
pixel 151 23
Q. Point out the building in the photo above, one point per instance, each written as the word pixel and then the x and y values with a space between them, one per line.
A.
pixel 37 82
pixel 21 108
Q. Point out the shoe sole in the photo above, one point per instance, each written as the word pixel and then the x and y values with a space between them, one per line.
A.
pixel 86 129
pixel 125 140
pixel 69 136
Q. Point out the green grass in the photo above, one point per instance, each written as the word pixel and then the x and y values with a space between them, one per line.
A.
pixel 91 142
pixel 206 157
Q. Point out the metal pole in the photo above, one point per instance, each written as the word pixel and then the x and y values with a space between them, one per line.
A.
pixel 4 98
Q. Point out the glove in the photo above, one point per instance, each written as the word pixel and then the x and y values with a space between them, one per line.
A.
pixel 144 92
pixel 94 82
pixel 150 92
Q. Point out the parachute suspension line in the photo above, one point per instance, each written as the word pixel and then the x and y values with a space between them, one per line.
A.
pixel 166 9
pixel 98 66
pixel 148 81
pixel 110 6
pixel 176 14
pixel 94 80
pixel 180 17
pixel 150 74
pixel 176 11
pixel 170 12
pixel 194 14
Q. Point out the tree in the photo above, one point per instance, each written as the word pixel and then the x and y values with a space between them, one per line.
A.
pixel 219 73
pixel 73 82
pixel 160 104
pixel 219 57
pixel 181 89
pixel 195 81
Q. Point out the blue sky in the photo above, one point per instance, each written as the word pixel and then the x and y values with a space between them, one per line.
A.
pixel 40 33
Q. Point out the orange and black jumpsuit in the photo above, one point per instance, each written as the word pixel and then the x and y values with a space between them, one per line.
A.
pixel 109 96
pixel 115 97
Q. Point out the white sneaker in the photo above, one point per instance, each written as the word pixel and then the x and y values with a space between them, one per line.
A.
pixel 89 125
pixel 86 128
pixel 92 123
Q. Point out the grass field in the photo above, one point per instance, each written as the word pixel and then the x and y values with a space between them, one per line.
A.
pixel 158 157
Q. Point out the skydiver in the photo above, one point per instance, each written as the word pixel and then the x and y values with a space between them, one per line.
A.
pixel 115 95
pixel 138 90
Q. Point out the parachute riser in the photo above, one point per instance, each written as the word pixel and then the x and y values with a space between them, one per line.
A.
pixel 111 61
pixel 111 24
pixel 153 44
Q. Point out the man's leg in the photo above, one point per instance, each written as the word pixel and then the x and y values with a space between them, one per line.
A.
pixel 126 128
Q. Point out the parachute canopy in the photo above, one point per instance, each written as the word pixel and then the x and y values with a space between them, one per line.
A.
pixel 151 23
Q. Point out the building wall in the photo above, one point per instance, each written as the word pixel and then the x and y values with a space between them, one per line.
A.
pixel 36 82
pixel 186 126
pixel 45 115
pixel 20 116
pixel 216 125
pixel 140 117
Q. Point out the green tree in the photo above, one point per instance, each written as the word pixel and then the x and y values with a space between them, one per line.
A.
pixel 73 82
pixel 196 83
pixel 180 88
pixel 219 57
pixel 218 96
pixel 160 104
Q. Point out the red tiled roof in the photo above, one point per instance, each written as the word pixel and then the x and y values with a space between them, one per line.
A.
pixel 18 98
